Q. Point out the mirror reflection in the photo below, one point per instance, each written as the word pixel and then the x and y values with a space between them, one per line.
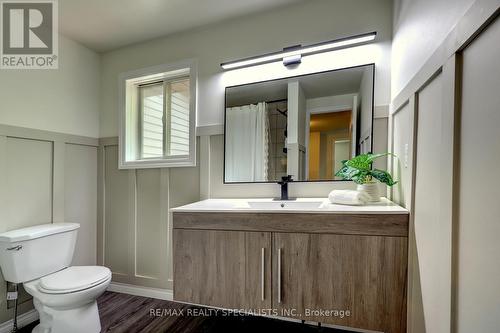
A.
pixel 301 126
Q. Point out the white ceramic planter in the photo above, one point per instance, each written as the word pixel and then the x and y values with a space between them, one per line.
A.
pixel 372 190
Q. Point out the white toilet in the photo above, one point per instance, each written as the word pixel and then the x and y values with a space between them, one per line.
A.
pixel 65 297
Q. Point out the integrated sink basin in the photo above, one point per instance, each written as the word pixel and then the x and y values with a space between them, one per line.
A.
pixel 282 205
pixel 298 205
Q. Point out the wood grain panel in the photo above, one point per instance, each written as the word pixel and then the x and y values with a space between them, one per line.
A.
pixel 122 313
pixel 365 275
pixel 350 224
pixel 222 268
pixel 185 183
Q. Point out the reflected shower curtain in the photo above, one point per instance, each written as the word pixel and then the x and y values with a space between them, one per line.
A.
pixel 247 141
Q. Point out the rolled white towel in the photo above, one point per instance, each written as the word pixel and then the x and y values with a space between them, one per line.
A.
pixel 347 197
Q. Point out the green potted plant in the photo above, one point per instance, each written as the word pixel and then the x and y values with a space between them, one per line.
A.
pixel 359 169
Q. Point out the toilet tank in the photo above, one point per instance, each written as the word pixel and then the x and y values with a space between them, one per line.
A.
pixel 29 253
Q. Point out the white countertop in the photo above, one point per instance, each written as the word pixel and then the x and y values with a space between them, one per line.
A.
pixel 300 205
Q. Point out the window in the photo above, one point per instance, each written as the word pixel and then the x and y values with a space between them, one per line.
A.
pixel 164 120
pixel 157 117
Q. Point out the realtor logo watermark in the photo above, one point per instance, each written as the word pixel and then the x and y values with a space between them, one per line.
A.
pixel 29 38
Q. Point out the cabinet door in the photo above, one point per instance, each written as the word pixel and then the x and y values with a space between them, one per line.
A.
pixel 365 275
pixel 229 269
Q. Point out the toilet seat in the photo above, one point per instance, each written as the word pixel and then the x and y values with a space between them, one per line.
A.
pixel 73 279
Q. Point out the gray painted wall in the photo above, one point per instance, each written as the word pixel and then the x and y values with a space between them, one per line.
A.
pixel 410 19
pixel 308 22
pixel 65 100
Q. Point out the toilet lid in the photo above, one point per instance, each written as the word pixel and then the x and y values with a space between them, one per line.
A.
pixel 73 279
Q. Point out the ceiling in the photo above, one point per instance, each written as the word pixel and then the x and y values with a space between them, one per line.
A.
pixel 104 25
pixel 331 83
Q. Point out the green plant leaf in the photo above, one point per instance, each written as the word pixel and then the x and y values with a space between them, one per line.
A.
pixel 359 170
pixel 373 157
pixel 383 176
pixel 350 173
pixel 361 162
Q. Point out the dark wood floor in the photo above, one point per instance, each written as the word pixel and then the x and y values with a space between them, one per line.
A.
pixel 122 313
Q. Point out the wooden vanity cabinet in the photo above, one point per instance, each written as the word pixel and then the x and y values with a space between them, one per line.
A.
pixel 227 269
pixel 334 269
pixel 359 280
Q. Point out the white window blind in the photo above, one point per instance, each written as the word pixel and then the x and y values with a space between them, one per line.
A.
pixel 152 120
pixel 164 119
pixel 179 118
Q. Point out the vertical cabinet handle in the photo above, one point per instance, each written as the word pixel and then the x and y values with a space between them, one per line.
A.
pixel 263 273
pixel 279 275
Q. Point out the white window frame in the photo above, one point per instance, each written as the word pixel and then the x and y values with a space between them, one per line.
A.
pixel 129 134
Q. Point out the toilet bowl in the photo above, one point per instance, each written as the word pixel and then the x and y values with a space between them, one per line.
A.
pixel 65 296
pixel 66 300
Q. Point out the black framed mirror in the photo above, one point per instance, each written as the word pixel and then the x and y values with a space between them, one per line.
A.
pixel 302 126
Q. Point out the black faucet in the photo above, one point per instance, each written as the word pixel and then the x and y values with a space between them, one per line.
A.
pixel 284 186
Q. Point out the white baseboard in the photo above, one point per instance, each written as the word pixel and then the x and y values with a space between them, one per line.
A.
pixel 22 320
pixel 123 288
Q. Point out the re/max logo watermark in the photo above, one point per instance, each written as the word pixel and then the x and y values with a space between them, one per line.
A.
pixel 28 38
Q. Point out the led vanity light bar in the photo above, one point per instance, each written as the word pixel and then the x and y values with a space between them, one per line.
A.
pixel 298 51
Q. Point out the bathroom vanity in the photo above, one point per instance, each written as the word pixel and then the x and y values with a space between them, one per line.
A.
pixel 305 259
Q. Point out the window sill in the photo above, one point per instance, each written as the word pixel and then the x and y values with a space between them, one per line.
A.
pixel 157 163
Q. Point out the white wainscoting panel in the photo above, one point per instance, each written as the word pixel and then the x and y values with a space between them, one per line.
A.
pixel 29 182
pixel 135 223
pixel 448 115
pixel 149 230
pixel 80 199
pixel 432 233
pixel 478 208
pixel 116 215
pixel 47 177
